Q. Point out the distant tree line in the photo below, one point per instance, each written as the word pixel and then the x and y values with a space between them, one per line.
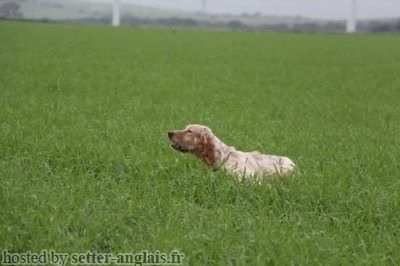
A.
pixel 10 10
pixel 329 26
pixel 380 26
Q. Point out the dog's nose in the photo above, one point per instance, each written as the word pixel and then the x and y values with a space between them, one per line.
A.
pixel 170 134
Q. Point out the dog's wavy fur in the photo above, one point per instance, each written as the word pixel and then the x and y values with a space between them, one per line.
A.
pixel 200 141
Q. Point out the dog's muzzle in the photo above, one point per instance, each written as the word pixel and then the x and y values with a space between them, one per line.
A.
pixel 174 145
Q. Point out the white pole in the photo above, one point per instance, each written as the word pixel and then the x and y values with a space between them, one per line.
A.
pixel 203 6
pixel 116 19
pixel 352 19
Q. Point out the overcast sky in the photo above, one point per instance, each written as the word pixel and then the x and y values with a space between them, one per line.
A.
pixel 309 8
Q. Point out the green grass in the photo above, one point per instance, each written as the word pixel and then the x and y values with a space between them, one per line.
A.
pixel 85 163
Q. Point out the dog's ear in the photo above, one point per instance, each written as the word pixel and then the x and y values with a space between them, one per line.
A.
pixel 208 155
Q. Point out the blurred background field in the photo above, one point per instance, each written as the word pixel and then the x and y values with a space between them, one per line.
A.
pixel 252 15
pixel 85 163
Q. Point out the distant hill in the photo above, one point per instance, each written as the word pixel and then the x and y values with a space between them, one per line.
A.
pixel 81 9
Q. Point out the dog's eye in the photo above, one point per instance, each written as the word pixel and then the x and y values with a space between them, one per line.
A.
pixel 189 131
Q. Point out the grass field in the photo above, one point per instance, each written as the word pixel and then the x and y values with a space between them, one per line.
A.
pixel 85 163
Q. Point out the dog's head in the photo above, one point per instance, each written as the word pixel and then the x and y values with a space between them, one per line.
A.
pixel 193 138
pixel 197 140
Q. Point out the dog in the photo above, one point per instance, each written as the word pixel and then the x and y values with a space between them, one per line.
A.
pixel 200 141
